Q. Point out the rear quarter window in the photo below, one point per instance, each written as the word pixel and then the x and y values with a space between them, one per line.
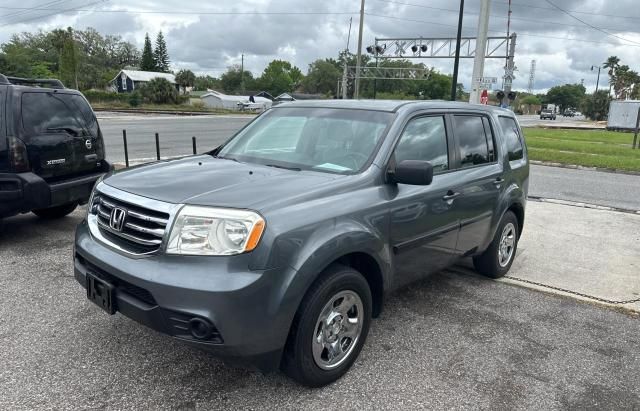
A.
pixel 513 139
pixel 45 112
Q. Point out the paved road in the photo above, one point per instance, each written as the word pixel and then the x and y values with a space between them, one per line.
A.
pixel 175 134
pixel 600 188
pixel 532 121
pixel 452 341
pixel 592 187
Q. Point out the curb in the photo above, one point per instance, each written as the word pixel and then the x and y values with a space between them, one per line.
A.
pixel 577 167
pixel 582 205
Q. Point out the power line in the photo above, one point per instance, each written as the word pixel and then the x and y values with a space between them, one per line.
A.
pixel 26 10
pixel 574 11
pixel 590 25
pixel 52 14
pixel 492 15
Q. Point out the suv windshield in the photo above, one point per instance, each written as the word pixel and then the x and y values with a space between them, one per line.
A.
pixel 329 140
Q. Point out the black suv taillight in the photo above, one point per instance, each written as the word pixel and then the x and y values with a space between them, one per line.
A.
pixel 18 157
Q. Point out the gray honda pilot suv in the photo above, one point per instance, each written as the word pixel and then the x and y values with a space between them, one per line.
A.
pixel 277 248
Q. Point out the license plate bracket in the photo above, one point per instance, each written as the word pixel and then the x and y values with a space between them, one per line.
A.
pixel 101 293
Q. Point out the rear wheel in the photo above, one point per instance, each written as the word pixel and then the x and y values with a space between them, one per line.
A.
pixel 329 329
pixel 57 211
pixel 496 261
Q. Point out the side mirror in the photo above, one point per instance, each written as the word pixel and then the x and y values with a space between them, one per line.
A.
pixel 414 172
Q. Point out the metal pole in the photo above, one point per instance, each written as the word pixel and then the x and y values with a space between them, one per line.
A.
pixel 598 80
pixel 242 72
pixel 456 64
pixel 356 92
pixel 157 146
pixel 126 151
pixel 193 143
pixel 375 80
pixel 635 136
pixel 481 49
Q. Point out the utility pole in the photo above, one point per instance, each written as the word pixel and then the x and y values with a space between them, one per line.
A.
pixel 456 64
pixel 242 73
pixel 597 81
pixel 532 77
pixel 510 68
pixel 356 92
pixel 346 63
pixel 481 49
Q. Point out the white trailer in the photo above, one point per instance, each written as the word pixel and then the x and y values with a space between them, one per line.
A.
pixel 623 114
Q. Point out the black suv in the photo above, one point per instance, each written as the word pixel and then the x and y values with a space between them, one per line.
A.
pixel 278 247
pixel 51 148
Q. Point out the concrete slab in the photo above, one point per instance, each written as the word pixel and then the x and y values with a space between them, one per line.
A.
pixel 585 251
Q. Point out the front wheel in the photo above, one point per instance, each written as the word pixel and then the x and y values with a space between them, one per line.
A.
pixel 496 261
pixel 330 328
pixel 56 212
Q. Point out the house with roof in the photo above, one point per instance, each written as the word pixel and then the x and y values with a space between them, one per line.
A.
pixel 128 80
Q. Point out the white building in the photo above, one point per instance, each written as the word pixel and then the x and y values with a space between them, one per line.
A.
pixel 215 99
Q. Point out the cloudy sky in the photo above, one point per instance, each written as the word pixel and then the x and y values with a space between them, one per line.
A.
pixel 207 37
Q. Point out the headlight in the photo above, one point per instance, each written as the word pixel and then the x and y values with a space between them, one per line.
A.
pixel 214 231
pixel 92 208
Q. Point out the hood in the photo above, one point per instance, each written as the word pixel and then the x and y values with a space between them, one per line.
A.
pixel 208 181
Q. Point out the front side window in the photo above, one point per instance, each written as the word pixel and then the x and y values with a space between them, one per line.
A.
pixel 425 139
pixel 44 113
pixel 328 140
pixel 512 137
pixel 473 144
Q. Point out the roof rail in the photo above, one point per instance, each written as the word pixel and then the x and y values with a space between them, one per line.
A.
pixel 53 83
pixel 3 79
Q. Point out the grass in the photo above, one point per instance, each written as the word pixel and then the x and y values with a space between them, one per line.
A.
pixel 589 148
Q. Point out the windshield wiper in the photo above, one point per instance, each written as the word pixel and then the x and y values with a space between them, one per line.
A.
pixel 70 130
pixel 284 167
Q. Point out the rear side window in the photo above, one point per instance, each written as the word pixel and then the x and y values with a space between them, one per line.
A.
pixel 56 112
pixel 425 139
pixel 512 137
pixel 474 146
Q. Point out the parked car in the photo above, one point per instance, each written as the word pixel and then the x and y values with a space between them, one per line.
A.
pixel 569 113
pixel 277 248
pixel 51 148
pixel 547 115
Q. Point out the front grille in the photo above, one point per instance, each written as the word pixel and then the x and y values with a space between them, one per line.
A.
pixel 121 285
pixel 142 230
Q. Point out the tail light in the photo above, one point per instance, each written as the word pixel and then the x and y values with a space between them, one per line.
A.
pixel 18 157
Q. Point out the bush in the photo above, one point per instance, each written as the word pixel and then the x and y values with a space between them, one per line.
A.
pixel 198 105
pixel 135 99
pixel 160 91
pixel 99 96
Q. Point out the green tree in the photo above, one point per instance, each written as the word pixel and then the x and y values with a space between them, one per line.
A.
pixel 160 91
pixel 231 81
pixel 69 61
pixel 279 77
pixel 147 62
pixel 612 63
pixel 185 78
pixel 596 106
pixel 204 83
pixel 322 77
pixel 161 55
pixel 623 82
pixel 566 96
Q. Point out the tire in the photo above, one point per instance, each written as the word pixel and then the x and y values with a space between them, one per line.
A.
pixel 493 262
pixel 56 212
pixel 309 363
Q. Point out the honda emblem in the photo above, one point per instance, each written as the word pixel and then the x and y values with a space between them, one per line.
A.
pixel 88 144
pixel 118 216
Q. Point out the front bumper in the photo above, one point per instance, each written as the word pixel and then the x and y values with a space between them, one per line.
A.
pixel 250 318
pixel 24 192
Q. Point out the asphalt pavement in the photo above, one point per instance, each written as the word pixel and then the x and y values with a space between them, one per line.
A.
pixel 453 341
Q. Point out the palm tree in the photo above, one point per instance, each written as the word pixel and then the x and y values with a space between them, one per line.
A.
pixel 612 64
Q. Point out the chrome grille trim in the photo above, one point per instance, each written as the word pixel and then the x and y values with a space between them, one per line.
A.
pixel 146 224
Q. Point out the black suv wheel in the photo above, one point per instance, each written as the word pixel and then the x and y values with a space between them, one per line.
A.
pixel 329 328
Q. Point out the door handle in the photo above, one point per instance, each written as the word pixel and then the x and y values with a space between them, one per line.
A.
pixel 450 195
pixel 498 182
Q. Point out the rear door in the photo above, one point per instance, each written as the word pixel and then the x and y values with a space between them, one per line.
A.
pixel 60 139
pixel 479 179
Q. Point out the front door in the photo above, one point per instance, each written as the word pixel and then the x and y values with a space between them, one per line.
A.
pixel 423 222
